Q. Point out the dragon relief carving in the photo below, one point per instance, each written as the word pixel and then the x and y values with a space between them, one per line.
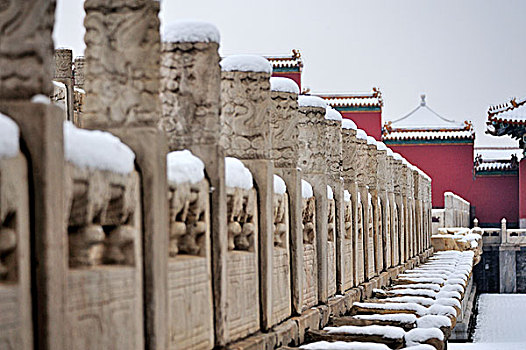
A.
pixel 312 141
pixel 334 147
pixel 348 156
pixel 308 223
pixel 101 222
pixel 189 218
pixel 281 226
pixel 242 218
pixel 122 63
pixel 190 95
pixel 245 103
pixel 8 244
pixel 284 130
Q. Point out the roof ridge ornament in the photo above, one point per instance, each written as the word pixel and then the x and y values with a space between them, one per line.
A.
pixel 423 100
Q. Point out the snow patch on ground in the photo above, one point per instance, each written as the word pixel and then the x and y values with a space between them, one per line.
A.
pixel 9 137
pixel 281 84
pixel 183 166
pixel 237 175
pixel 97 149
pixel 246 63
pixel 190 31
pixel 501 319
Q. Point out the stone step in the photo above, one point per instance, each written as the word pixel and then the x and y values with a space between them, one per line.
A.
pixel 394 342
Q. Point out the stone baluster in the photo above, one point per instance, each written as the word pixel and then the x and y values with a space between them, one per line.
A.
pixel 122 79
pixel 391 231
pixel 64 74
pixel 78 72
pixel 400 193
pixel 384 233
pixel 417 217
pixel 363 205
pixel 349 167
pixel 26 70
pixel 336 223
pixel 410 227
pixel 374 244
pixel 284 153
pixel 245 134
pixel 313 161
pixel 190 97
pixel 429 212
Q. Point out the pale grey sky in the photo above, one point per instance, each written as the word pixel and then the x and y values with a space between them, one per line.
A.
pixel 463 54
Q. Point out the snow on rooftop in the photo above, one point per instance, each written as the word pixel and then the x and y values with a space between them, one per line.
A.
pixel 187 31
pixel 281 84
pixel 237 174
pixel 348 124
pixel 246 63
pixel 332 114
pixel 330 194
pixel 361 134
pixel 346 196
pixel 424 117
pixel 97 150
pixel 279 185
pixel 184 166
pixel 306 189
pixel 9 137
pixel 340 345
pixel 429 135
pixel 311 101
pixel 515 114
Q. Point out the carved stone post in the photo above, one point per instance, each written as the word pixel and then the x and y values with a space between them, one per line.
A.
pixel 417 218
pixel 374 245
pixel 393 226
pixel 64 74
pixel 313 162
pixel 284 153
pixel 190 96
pixel 399 189
pixel 382 175
pixel 349 168
pixel 122 96
pixel 245 114
pixel 336 222
pixel 411 234
pixel 408 208
pixel 362 206
pixel 26 69
pixel 78 72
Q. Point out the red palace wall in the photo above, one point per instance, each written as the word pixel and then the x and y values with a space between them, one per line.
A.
pixel 451 168
pixel 369 121
pixel 296 76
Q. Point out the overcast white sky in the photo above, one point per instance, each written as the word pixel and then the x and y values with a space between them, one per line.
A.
pixel 463 54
